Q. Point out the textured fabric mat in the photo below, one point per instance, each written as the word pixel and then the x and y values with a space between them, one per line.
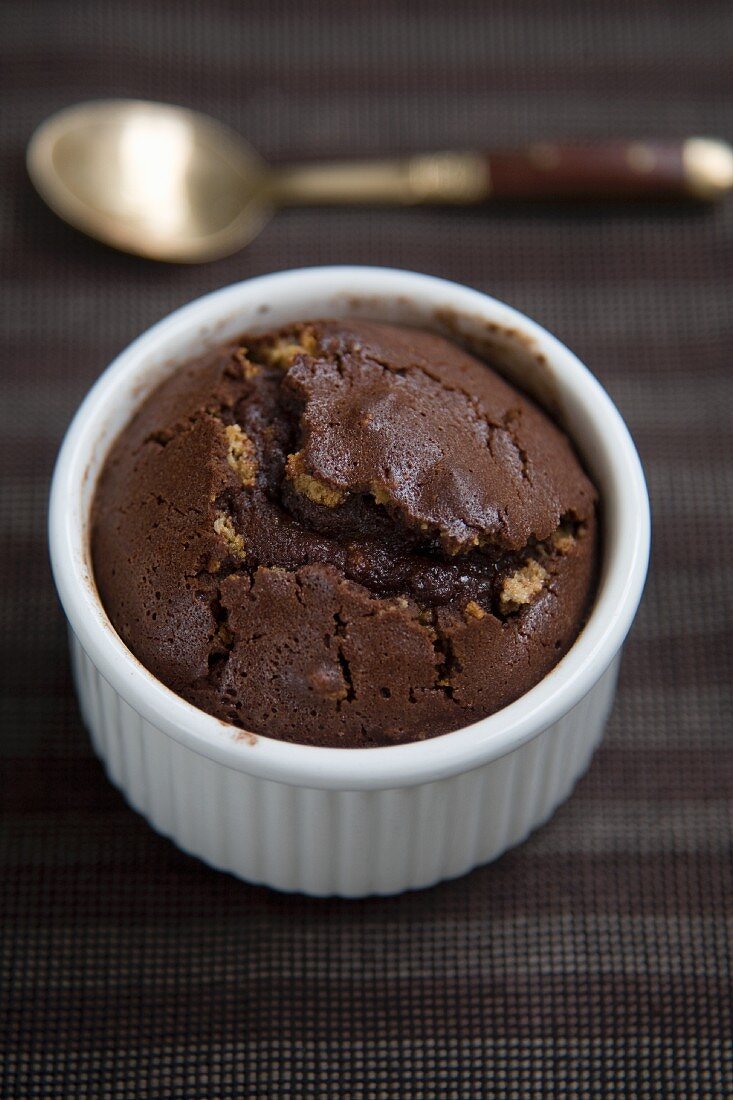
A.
pixel 595 960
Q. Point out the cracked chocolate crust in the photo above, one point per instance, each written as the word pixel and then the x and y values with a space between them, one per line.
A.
pixel 344 534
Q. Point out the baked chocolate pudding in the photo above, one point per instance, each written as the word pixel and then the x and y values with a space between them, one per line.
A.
pixel 346 534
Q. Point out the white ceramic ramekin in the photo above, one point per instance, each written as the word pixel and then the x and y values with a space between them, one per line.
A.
pixel 349 821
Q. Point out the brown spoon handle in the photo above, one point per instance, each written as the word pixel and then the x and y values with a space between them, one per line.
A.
pixel 618 170
pixel 698 168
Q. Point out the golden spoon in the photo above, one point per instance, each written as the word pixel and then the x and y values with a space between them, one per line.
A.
pixel 171 184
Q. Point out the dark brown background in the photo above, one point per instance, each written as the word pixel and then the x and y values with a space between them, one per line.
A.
pixel 595 960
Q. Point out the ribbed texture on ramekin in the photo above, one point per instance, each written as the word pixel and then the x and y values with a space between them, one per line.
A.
pixel 348 843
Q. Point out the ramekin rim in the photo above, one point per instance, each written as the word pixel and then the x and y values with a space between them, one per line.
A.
pixel 448 754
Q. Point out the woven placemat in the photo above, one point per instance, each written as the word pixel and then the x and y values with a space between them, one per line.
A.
pixel 594 961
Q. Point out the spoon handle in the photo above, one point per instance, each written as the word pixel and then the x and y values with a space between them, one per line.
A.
pixel 697 168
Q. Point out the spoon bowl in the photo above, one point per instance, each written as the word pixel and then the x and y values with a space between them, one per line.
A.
pixel 151 179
